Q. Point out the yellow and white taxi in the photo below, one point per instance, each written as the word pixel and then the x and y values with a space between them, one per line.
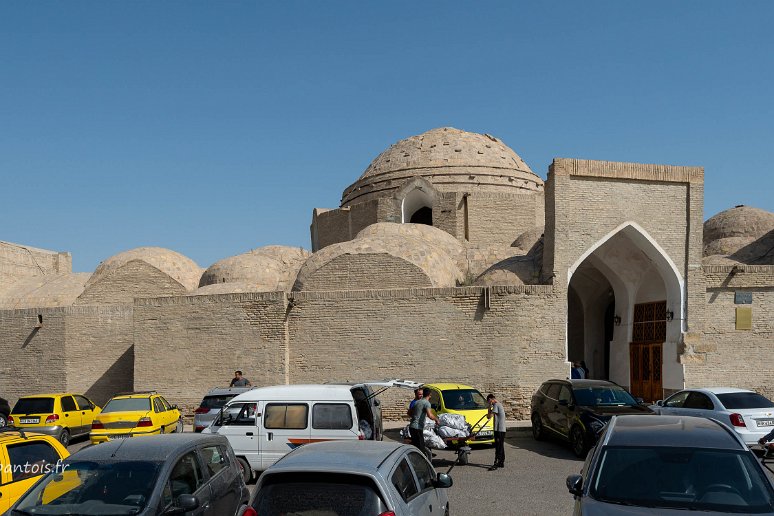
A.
pixel 24 458
pixel 133 414
pixel 455 398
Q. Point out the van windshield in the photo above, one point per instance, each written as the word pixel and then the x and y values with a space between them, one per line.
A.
pixel 463 399
pixel 324 493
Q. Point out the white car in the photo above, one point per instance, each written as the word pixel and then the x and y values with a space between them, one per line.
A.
pixel 747 412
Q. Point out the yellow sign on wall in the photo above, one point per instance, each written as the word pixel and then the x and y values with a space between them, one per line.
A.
pixel 743 318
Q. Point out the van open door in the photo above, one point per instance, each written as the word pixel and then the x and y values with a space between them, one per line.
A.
pixel 368 406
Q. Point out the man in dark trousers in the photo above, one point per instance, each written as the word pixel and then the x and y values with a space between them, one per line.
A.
pixel 419 412
pixel 497 410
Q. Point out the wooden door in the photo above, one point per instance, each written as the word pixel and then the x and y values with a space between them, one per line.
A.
pixel 646 350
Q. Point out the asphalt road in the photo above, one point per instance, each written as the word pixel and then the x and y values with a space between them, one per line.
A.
pixel 532 482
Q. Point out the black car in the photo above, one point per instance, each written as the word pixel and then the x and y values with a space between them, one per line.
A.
pixel 577 410
pixel 5 409
pixel 191 474
pixel 670 465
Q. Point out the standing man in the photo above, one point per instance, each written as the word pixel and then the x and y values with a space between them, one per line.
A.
pixel 497 410
pixel 239 380
pixel 417 397
pixel 419 412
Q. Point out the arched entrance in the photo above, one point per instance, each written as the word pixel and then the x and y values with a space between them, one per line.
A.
pixel 620 295
pixel 417 207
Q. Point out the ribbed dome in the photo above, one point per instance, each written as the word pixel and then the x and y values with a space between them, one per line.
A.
pixel 180 268
pixel 45 291
pixel 270 268
pixel 446 157
pixel 738 229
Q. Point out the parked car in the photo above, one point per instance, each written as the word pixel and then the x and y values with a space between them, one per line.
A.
pixel 211 404
pixel 350 478
pixel 5 411
pixel 190 474
pixel 25 457
pixel 135 413
pixel 455 398
pixel 577 410
pixel 266 423
pixel 669 465
pixel 747 412
pixel 63 415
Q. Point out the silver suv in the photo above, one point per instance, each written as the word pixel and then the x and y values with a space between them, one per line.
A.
pixel 212 403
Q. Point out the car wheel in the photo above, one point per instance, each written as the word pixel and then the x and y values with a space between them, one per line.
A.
pixel 179 427
pixel 64 437
pixel 247 472
pixel 537 427
pixel 3 420
pixel 578 442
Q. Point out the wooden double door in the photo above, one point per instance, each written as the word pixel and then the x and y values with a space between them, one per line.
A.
pixel 646 350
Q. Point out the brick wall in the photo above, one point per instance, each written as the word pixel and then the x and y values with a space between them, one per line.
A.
pixel 498 218
pixel 184 346
pixel 367 271
pixel 21 261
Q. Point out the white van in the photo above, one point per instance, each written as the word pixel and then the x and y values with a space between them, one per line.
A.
pixel 264 424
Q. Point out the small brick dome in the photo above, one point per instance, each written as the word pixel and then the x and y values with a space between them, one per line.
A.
pixel 740 235
pixel 45 291
pixel 450 159
pixel 180 268
pixel 265 269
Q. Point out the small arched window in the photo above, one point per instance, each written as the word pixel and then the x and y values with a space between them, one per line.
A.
pixel 417 208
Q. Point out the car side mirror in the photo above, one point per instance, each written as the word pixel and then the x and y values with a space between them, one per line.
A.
pixel 185 503
pixel 443 481
pixel 575 484
pixel 660 403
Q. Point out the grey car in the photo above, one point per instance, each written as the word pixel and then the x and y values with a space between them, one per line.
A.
pixel 352 478
pixel 669 465
pixel 211 404
pixel 190 474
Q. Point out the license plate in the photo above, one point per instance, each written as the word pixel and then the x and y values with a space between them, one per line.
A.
pixel 764 422
pixel 30 421
pixel 485 433
pixel 120 436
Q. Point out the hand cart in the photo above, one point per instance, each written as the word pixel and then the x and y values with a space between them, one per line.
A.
pixel 462 448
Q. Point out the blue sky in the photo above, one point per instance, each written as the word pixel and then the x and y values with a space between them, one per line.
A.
pixel 212 128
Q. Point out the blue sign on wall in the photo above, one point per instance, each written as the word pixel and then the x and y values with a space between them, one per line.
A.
pixel 742 298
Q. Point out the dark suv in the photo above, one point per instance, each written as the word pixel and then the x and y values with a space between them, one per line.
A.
pixel 186 474
pixel 577 410
pixel 670 465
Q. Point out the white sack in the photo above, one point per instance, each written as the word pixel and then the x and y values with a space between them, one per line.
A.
pixel 433 440
pixel 456 421
pixel 447 431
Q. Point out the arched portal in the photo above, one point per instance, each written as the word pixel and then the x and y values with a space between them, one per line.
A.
pixel 417 207
pixel 623 289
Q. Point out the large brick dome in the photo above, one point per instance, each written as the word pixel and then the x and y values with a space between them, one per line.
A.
pixel 450 159
pixel 742 234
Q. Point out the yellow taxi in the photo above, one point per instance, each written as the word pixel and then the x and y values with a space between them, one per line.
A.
pixel 24 458
pixel 455 398
pixel 62 415
pixel 135 413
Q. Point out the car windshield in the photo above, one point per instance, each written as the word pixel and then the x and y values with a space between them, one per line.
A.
pixel 602 396
pixel 463 399
pixel 127 405
pixel 744 400
pixel 215 402
pixel 88 487
pixel 682 478
pixel 33 406
pixel 323 494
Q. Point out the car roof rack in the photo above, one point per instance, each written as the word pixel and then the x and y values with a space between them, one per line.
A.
pixel 129 393
pixel 10 428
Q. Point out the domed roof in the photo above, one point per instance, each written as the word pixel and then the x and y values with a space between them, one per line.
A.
pixel 741 234
pixel 265 269
pixel 433 236
pixel 529 239
pixel 445 156
pixel 517 270
pixel 180 268
pixel 437 267
pixel 45 291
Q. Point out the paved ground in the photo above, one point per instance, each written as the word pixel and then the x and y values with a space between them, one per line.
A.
pixel 532 483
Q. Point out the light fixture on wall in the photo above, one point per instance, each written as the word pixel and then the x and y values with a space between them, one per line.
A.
pixel 669 315
pixel 617 320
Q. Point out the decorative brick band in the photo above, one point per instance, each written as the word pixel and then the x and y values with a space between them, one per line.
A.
pixel 622 170
pixel 71 310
